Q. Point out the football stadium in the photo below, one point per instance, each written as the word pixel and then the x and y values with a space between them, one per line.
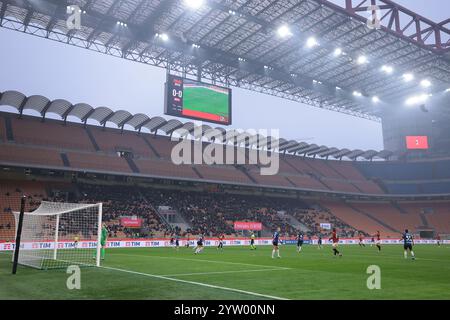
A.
pixel 181 198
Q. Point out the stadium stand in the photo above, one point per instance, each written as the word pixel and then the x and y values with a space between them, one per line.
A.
pixel 10 197
pixel 356 219
pixel 15 154
pixel 165 168
pixel 51 143
pixel 51 133
pixel 98 162
pixel 112 141
pixel 30 142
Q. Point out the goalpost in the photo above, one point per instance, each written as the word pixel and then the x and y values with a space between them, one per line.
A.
pixel 57 235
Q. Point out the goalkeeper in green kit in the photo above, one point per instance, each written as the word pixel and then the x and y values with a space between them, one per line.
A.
pixel 103 238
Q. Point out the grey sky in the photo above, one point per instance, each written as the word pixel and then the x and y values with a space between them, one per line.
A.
pixel 36 66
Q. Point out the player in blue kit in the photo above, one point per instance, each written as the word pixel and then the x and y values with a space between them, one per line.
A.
pixel 199 247
pixel 319 242
pixel 408 242
pixel 299 242
pixel 275 242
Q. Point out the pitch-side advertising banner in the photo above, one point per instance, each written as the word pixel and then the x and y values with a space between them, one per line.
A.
pixel 131 222
pixel 161 243
pixel 240 225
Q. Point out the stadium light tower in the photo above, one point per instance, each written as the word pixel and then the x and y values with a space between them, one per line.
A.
pixel 194 4
pixel 284 31
pixel 375 99
pixel 163 36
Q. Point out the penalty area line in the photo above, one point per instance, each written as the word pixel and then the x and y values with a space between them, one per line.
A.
pixel 195 283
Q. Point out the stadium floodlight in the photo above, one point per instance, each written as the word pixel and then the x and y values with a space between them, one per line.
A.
pixel 162 36
pixel 417 99
pixel 408 77
pixel 362 60
pixel 425 83
pixel 357 94
pixel 338 88
pixel 311 42
pixel 337 52
pixel 194 4
pixel 233 13
pixel 375 99
pixel 447 90
pixel 387 69
pixel 196 46
pixel 284 31
pixel 241 59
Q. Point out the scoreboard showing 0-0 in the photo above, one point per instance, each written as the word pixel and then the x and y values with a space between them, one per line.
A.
pixel 197 100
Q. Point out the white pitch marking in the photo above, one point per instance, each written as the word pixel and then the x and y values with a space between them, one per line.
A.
pixel 202 260
pixel 217 272
pixel 196 283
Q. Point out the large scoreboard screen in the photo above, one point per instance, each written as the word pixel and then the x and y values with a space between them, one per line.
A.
pixel 197 100
pixel 417 142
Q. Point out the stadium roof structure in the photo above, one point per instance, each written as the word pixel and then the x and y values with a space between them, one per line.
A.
pixel 121 118
pixel 326 55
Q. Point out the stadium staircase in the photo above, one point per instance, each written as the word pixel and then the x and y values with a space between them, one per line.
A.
pixel 424 220
pixel 380 183
pixel 197 172
pixel 295 223
pixel 399 208
pixel 179 220
pixel 290 181
pixel 9 129
pixel 151 147
pixel 244 171
pixel 92 139
pixel 373 218
pixel 65 160
pixel 160 216
pixel 132 165
pixel 293 167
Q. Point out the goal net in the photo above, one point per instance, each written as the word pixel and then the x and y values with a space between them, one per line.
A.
pixel 57 235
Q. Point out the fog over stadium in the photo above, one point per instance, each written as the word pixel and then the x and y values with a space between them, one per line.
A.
pixel 337 187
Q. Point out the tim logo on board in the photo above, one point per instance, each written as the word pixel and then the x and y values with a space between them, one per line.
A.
pixel 127 244
pixel 114 244
pixel 34 246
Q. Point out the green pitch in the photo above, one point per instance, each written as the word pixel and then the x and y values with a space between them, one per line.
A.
pixel 239 273
pixel 205 100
